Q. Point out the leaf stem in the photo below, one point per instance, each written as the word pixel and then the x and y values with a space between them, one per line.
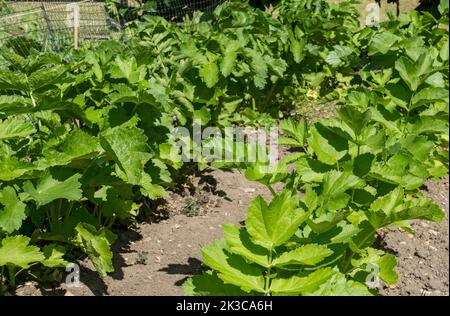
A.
pixel 267 281
pixel 271 190
pixel 12 276
pixel 352 253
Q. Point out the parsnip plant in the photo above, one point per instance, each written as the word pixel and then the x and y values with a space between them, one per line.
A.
pixel 356 173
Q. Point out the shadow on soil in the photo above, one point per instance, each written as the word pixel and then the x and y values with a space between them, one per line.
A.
pixel 193 266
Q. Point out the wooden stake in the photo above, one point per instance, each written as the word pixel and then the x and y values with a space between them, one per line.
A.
pixel 76 24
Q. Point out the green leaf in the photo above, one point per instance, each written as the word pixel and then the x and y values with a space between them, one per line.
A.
pixel 297 49
pixel 335 185
pixel 13 213
pixel 387 264
pixel 203 115
pixel 238 242
pixel 54 256
pixel 428 124
pixel 338 285
pixel 310 198
pixel 412 72
pixel 14 104
pixel 15 128
pixel 272 225
pixel 443 6
pixel 383 42
pixel 46 76
pixel 333 59
pixel 10 80
pixel 209 73
pixel 375 261
pixel 362 164
pixel 97 245
pixel 395 207
pixel 128 146
pixel 171 152
pixel 429 95
pixel 49 189
pixel 301 284
pixel 259 67
pixel 436 80
pixel 209 284
pixel 12 168
pixel 77 145
pixel 15 250
pixel 126 67
pixel 232 269
pixel 398 170
pixel 355 119
pixel 297 132
pixel 309 254
pixel 113 204
pixel 228 62
pixel 265 173
pixel 328 146
pixel 419 208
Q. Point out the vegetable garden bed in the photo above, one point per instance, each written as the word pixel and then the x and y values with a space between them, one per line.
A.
pixel 96 141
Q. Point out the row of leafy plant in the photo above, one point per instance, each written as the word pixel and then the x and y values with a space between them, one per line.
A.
pixel 87 137
pixel 345 178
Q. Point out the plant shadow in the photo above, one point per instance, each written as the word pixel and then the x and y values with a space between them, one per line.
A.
pixel 193 267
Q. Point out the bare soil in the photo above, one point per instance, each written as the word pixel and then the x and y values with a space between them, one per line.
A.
pixel 158 255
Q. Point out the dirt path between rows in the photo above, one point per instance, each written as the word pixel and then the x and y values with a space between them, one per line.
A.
pixel 155 258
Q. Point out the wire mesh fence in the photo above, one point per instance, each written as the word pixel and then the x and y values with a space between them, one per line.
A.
pixel 174 9
pixel 55 24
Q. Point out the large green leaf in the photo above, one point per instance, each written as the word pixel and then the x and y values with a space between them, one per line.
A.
pixel 228 62
pixel 126 67
pixel 13 104
pixel 49 189
pixel 296 285
pixel 16 251
pixel 209 73
pixel 296 131
pixel 54 256
pixel 335 185
pixel 46 76
pixel 375 261
pixel 232 269
pixel 309 254
pixel 97 245
pixel 238 242
pixel 429 95
pixel 15 128
pixel 10 80
pixel 258 66
pixel 395 207
pixel 355 119
pixel 412 72
pixel 383 42
pixel 209 284
pixel 13 212
pixel 273 224
pixel 128 146
pixel 77 145
pixel 327 145
pixel 338 285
